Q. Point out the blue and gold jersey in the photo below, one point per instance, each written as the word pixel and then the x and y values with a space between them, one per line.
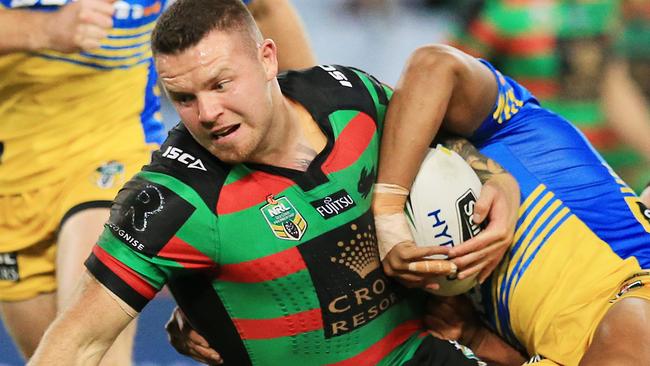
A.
pixel 541 148
pixel 58 107
pixel 581 231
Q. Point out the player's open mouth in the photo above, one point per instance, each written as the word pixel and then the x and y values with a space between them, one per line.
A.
pixel 224 132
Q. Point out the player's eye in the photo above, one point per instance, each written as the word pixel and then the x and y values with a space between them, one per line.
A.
pixel 183 99
pixel 220 86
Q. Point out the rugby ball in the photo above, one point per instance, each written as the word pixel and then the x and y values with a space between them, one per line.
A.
pixel 440 208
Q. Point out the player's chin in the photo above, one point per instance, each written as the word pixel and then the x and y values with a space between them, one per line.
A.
pixel 230 154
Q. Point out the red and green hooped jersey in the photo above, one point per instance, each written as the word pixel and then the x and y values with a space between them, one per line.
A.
pixel 557 50
pixel 632 43
pixel 271 265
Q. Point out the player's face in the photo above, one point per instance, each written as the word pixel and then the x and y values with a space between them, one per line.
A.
pixel 221 89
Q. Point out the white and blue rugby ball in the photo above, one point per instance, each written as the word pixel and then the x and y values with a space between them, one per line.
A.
pixel 440 208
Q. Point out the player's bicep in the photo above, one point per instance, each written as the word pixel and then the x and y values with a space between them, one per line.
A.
pixel 473 96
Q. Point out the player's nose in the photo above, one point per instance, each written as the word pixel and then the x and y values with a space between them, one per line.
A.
pixel 209 109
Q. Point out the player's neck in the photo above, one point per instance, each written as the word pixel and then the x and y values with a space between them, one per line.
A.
pixel 294 138
pixel 310 138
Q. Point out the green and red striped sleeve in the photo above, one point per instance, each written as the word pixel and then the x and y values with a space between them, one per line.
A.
pixel 158 227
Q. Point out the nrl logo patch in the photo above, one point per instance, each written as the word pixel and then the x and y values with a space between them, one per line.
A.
pixel 283 218
pixel 108 174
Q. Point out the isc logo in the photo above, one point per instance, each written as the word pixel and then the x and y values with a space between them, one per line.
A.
pixel 336 74
pixel 175 153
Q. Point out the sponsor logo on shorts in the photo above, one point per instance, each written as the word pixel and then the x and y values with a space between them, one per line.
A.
pixel 283 218
pixel 334 204
pixel 9 267
pixel 109 174
pixel 631 284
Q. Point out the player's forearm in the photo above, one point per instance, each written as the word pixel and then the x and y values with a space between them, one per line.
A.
pixel 86 329
pixel 439 85
pixel 23 30
pixel 278 20
pixel 484 167
pixel 62 344
pixel 414 116
pixel 490 348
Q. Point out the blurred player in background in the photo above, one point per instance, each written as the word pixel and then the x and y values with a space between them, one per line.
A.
pixel 632 46
pixel 561 51
pixel 78 116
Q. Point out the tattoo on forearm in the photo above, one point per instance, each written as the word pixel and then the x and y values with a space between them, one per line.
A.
pixel 484 167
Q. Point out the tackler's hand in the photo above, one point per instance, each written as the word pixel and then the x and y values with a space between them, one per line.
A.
pixel 452 317
pixel 189 342
pixel 499 205
pixel 407 263
pixel 399 255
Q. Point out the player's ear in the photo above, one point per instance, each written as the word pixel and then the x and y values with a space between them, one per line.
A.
pixel 269 57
